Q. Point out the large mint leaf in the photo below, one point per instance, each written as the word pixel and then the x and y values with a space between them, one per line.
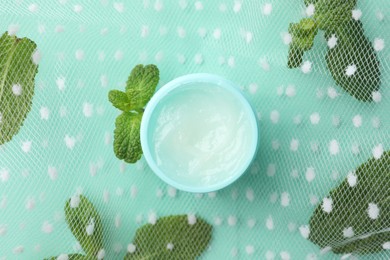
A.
pixel 127 140
pixel 85 224
pixel 17 73
pixel 354 50
pixel 172 237
pixel 359 215
pixel 141 85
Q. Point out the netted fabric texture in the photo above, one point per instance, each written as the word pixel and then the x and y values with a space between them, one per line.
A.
pixel 316 71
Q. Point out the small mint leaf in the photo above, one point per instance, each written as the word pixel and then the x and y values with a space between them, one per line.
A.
pixel 171 237
pixel 127 143
pixel 119 100
pixel 17 72
pixel 361 207
pixel 85 223
pixel 141 85
pixel 329 15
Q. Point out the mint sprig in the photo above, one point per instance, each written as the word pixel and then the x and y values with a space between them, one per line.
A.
pixel 172 237
pixel 352 49
pixel 18 68
pixel 357 220
pixel 140 88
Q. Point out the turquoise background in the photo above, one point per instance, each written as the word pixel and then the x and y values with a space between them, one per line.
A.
pixel 250 51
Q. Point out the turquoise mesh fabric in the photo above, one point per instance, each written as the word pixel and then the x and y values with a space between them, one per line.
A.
pixel 313 133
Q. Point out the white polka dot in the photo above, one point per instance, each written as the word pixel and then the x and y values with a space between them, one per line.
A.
pixel 294 144
pixel 79 54
pixel 52 172
pixel 217 33
pixel 63 257
pixel 280 90
pixel 36 57
pixel 183 4
pixel 3 230
pixel 275 145
pixel 131 248
pixel 90 228
pixel 290 91
pixel 59 29
pixel 212 195
pixel 334 147
pixel 78 8
pixel 234 252
pixel 134 191
pixel 250 195
pixel 248 36
pixel 264 64
pixel 269 223
pixel 357 121
pixel 376 122
pixel 13 29
pixel 253 87
pixel 70 141
pixel 44 112
pixel 119 7
pixel 310 174
pixel 267 9
pixel 202 32
pixel 87 109
pixel 377 151
pixel 181 32
pixel 380 16
pixel 101 56
pixel 313 199
pixel 306 67
pixel 336 121
pixel 251 223
pixel 232 220
pixel 285 199
pixel 327 205
pixel 273 197
pixel 191 218
pixel 30 203
pixel 320 93
pixel 352 179
pixel 231 61
pixel 171 192
pixel 101 254
pixel 33 8
pixel 294 173
pixel 222 7
pixel 285 255
pixel 18 249
pixel 386 245
pixel 297 120
pixel 152 218
pixel 287 38
pixel 348 232
pixel 271 170
pixel 373 211
pixel 158 5
pixel 269 255
pixel 379 44
pixel 310 10
pixel 237 6
pixel 119 191
pixel 275 116
pixel 144 31
pixel 118 55
pixel 60 82
pixel 198 59
pixel 376 96
pixel 218 221
pixel 47 227
pixel 356 14
pixel 198 5
pixel 291 227
pixel 315 118
pixel 350 70
pixel 305 231
pixel 181 58
pixel 17 89
pixel 159 56
pixel 249 249
pixel 26 146
pixel 170 246
pixel 332 93
pixel 332 42
pixel 355 148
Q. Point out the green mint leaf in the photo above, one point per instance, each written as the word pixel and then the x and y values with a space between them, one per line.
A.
pixel 330 14
pixel 171 238
pixel 17 73
pixel 85 224
pixel 119 100
pixel 127 143
pixel 74 257
pixel 354 51
pixel 360 208
pixel 303 34
pixel 141 85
